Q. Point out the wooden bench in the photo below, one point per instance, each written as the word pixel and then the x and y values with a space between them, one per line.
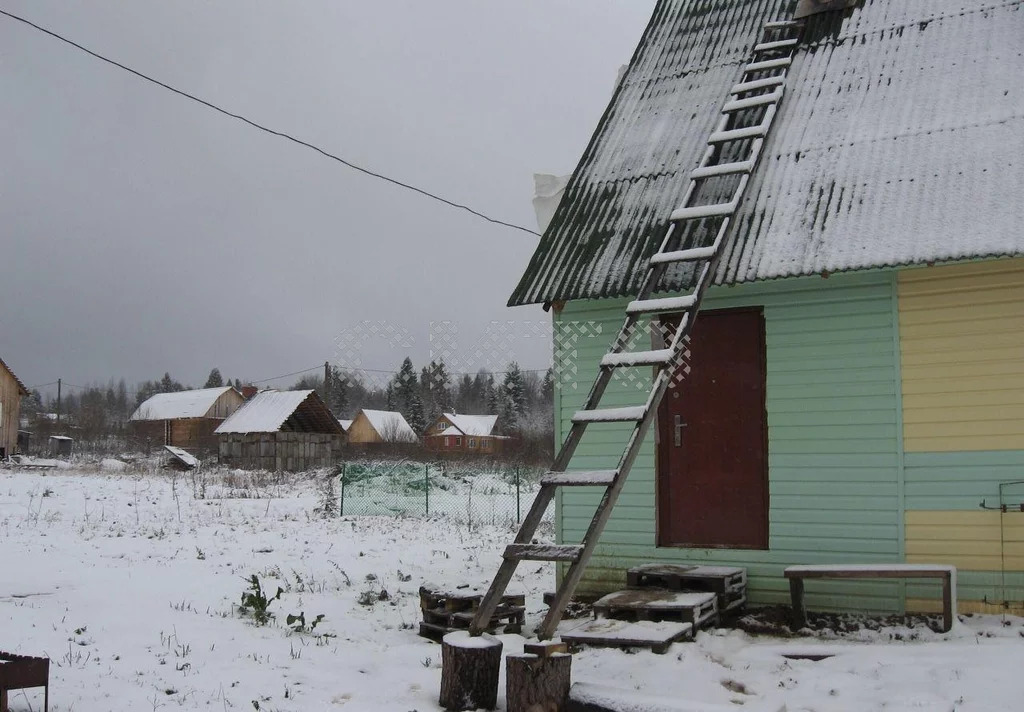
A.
pixel 797 574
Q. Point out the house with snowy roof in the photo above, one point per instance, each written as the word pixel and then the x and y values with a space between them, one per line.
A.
pixel 185 419
pixel 281 430
pixel 11 391
pixel 374 427
pixel 855 384
pixel 471 434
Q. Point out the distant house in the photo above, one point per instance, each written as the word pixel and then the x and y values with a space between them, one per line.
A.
pixel 281 430
pixel 380 426
pixel 185 419
pixel 464 433
pixel 11 391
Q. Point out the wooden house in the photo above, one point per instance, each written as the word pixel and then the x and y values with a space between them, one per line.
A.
pixel 470 434
pixel 11 391
pixel 185 419
pixel 281 430
pixel 856 384
pixel 372 427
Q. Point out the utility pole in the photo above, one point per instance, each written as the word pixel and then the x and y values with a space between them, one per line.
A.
pixel 58 401
pixel 327 384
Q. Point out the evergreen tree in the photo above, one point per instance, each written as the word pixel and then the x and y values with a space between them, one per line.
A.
pixel 406 396
pixel 547 389
pixel 214 380
pixel 512 398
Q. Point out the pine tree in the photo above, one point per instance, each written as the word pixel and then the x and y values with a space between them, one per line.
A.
pixel 406 396
pixel 547 389
pixel 214 380
pixel 512 398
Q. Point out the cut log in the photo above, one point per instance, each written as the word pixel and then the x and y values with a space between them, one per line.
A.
pixel 469 671
pixel 537 683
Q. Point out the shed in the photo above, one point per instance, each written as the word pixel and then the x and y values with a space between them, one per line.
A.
pixel 61 445
pixel 281 430
pixel 471 434
pixel 371 427
pixel 185 419
pixel 11 391
pixel 856 384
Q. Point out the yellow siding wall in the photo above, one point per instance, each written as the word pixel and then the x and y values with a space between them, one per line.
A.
pixel 362 431
pixel 962 356
pixel 969 540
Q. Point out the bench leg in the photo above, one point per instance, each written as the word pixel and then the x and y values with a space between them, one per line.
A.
pixel 947 603
pixel 3 700
pixel 796 593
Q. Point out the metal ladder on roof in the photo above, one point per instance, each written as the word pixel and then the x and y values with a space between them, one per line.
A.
pixel 696 236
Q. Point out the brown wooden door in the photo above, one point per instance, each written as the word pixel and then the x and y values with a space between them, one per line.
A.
pixel 712 451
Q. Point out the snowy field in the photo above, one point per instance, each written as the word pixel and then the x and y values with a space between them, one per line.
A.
pixel 130 585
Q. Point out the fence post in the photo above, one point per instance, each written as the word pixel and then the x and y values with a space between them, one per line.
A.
pixel 519 515
pixel 341 510
pixel 426 488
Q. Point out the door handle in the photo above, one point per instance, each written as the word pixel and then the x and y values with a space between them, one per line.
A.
pixel 679 425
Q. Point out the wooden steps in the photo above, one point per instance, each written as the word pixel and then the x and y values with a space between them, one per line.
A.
pixel 609 632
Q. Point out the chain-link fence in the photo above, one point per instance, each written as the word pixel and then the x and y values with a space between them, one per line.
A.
pixel 492 494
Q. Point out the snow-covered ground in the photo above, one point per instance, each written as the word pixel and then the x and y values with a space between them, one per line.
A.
pixel 130 584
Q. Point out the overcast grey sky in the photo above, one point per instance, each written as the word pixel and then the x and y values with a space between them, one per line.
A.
pixel 143 233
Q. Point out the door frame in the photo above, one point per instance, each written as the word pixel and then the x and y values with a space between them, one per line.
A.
pixel 659 477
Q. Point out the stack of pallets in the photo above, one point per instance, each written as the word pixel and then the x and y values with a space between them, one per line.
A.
pixel 448 611
pixel 664 603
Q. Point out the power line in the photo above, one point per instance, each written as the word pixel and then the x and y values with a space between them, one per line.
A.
pixel 286 375
pixel 261 127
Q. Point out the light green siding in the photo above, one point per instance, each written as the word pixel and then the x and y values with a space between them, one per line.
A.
pixel 833 420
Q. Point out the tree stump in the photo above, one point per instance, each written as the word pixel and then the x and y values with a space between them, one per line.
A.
pixel 469 671
pixel 539 679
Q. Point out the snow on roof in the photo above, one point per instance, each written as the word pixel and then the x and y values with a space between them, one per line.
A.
pixel 390 425
pixel 182 404
pixel 24 390
pixel 898 142
pixel 345 424
pixel 265 412
pixel 472 424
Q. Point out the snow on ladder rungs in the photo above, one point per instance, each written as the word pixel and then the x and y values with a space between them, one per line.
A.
pixel 703 211
pixel 767 64
pixel 691 255
pixel 638 358
pixel 586 478
pixel 737 135
pixel 662 305
pixel 754 85
pixel 722 169
pixel 751 102
pixel 776 45
pixel 610 415
pixel 543 552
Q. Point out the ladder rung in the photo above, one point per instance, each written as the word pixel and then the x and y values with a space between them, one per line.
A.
pixel 691 255
pixel 776 45
pixel 543 552
pixel 722 169
pixel 638 358
pixel 610 415
pixel 592 478
pixel 767 64
pixel 662 305
pixel 751 102
pixel 781 24
pixel 756 84
pixel 737 135
pixel 704 211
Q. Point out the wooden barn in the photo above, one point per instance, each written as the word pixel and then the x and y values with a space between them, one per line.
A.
pixel 376 427
pixel 470 434
pixel 11 391
pixel 855 384
pixel 281 430
pixel 185 419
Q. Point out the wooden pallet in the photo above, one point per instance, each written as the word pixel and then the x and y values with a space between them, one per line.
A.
pixel 729 583
pixel 657 604
pixel 447 611
pixel 608 632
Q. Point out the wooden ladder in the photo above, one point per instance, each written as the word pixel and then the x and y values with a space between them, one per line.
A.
pixel 696 235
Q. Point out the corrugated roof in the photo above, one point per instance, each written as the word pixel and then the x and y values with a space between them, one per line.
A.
pixel 272 411
pixel 182 404
pixel 899 141
pixel 390 425
pixel 24 390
